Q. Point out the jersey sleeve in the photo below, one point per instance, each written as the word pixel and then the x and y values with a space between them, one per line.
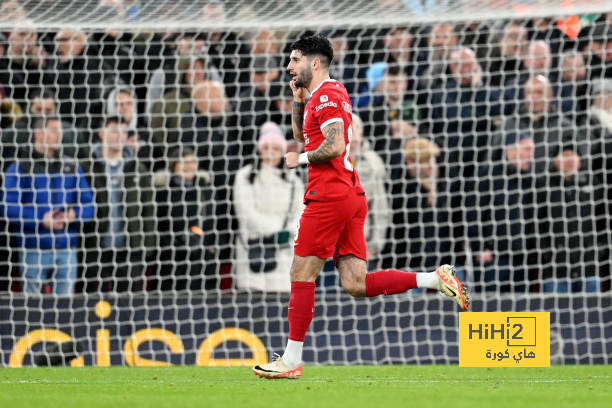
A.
pixel 328 108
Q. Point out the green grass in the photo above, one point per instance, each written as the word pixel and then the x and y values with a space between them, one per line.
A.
pixel 382 387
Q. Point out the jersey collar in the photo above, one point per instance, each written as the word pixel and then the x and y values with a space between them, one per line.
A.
pixel 322 82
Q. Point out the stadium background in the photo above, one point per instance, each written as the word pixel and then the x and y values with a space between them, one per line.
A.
pixel 148 48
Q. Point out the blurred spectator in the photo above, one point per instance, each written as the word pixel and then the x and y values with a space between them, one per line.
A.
pixel 122 102
pixel 442 39
pixel 545 29
pixel 597 48
pixel 539 118
pixel 598 125
pixel 122 237
pixel 389 119
pixel 476 36
pixel 46 198
pixel 264 43
pixel 168 112
pixel 426 224
pixel 343 67
pixel 117 47
pixel 537 60
pixel 399 44
pixel 79 76
pixel 227 51
pixel 463 114
pixel 506 59
pixel 573 226
pixel 282 105
pixel 254 102
pixel 502 218
pixel 26 63
pixel 573 86
pixel 10 113
pixel 373 177
pixel 185 224
pixel 268 203
pixel 210 130
pixel 41 104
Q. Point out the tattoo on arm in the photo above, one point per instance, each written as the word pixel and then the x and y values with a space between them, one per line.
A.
pixel 297 116
pixel 331 147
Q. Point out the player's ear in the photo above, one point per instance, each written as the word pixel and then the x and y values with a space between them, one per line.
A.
pixel 315 63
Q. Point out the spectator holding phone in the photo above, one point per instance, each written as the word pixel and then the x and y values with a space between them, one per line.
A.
pixel 46 198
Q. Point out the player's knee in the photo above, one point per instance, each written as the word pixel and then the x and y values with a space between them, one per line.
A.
pixel 354 285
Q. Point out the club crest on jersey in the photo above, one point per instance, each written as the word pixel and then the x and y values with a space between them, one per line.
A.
pixel 324 98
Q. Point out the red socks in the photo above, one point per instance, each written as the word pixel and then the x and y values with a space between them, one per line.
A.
pixel 302 301
pixel 301 309
pixel 389 282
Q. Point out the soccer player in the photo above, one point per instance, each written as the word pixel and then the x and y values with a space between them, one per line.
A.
pixel 332 223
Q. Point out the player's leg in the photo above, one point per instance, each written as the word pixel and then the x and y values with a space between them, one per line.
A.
pixel 356 281
pixel 359 283
pixel 315 241
pixel 304 272
pixel 350 258
pixel 351 254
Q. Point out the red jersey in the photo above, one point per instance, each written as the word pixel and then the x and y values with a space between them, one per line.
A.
pixel 334 179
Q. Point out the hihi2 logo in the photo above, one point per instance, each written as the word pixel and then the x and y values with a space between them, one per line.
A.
pixel 492 339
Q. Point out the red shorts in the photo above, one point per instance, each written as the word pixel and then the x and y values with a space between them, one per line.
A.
pixel 333 228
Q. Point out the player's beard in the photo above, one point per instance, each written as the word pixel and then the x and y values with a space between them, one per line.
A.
pixel 304 78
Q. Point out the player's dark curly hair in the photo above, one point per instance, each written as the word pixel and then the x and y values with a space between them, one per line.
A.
pixel 315 45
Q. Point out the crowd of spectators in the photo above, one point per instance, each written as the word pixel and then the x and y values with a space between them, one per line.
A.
pixel 136 161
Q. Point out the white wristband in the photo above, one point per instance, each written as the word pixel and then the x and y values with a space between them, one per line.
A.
pixel 303 158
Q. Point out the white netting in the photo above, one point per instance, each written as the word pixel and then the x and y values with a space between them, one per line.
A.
pixel 487 143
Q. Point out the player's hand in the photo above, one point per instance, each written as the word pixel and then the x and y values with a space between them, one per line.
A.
pixel 291 158
pixel 299 93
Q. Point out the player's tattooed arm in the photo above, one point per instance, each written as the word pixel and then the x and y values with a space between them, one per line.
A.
pixel 297 118
pixel 332 146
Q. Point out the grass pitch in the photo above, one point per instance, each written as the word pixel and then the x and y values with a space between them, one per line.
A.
pixel 382 387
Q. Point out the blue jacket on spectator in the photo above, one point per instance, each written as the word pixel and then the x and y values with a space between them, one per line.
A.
pixel 35 186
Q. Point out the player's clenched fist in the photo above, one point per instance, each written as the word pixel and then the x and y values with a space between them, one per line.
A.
pixel 291 159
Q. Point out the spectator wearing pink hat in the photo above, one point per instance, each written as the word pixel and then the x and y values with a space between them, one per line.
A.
pixel 267 203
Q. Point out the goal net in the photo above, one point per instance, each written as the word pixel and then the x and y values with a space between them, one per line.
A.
pixel 147 217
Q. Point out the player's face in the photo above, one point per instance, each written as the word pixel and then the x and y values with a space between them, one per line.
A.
pixel 299 69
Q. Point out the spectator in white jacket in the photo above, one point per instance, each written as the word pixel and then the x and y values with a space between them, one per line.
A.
pixel 373 177
pixel 268 204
